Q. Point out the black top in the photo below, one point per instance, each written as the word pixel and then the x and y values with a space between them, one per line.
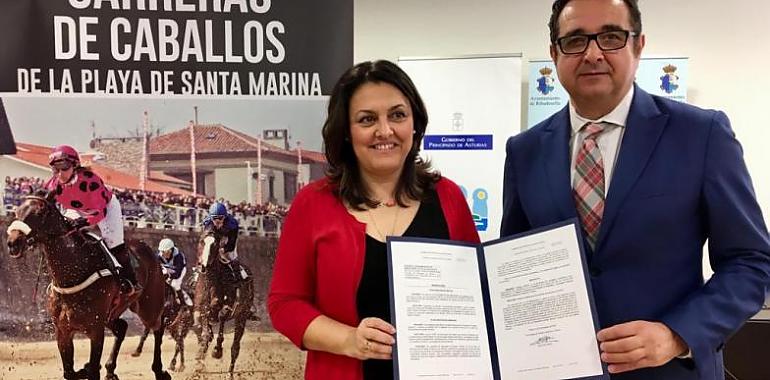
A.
pixel 373 299
pixel 7 146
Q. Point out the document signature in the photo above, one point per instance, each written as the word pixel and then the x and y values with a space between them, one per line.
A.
pixel 545 340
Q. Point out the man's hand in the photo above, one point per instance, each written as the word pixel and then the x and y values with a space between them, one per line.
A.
pixel 639 344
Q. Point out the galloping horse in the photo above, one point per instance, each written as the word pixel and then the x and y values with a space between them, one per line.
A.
pixel 219 297
pixel 177 319
pixel 85 297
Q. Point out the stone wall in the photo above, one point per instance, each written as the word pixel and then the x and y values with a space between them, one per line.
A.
pixel 17 276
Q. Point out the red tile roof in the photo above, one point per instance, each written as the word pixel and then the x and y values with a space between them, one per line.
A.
pixel 38 155
pixel 216 138
pixel 311 155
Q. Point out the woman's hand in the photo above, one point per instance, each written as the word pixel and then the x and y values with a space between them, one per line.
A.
pixel 372 339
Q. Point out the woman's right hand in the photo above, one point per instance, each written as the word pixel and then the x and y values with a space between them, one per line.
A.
pixel 372 339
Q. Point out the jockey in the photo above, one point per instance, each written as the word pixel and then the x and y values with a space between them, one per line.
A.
pixel 221 224
pixel 86 201
pixel 174 266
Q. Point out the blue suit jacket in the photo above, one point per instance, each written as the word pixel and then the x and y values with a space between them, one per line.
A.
pixel 679 180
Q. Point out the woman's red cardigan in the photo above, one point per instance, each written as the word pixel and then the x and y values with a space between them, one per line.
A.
pixel 319 264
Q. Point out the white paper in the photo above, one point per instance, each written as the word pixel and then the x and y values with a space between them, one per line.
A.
pixel 540 307
pixel 441 330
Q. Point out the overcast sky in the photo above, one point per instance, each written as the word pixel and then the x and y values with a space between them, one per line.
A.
pixel 52 121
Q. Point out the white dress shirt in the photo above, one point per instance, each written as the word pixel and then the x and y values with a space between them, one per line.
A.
pixel 608 141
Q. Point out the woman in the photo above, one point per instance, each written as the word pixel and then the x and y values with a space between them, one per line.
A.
pixel 88 202
pixel 329 293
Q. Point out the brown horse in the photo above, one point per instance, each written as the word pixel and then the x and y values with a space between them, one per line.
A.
pixel 219 297
pixel 178 320
pixel 85 297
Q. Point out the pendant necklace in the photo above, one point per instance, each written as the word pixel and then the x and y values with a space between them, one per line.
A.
pixel 377 228
pixel 388 203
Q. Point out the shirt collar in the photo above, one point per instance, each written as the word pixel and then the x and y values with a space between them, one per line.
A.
pixel 73 179
pixel 617 116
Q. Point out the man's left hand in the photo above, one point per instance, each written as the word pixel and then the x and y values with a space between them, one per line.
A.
pixel 638 344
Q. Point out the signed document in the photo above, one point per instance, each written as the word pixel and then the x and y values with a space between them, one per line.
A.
pixel 514 308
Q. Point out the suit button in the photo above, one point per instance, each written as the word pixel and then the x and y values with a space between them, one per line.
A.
pixel 595 272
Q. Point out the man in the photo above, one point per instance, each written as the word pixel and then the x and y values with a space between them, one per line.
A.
pixel 650 180
pixel 222 225
pixel 174 266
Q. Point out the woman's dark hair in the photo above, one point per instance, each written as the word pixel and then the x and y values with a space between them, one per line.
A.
pixel 343 171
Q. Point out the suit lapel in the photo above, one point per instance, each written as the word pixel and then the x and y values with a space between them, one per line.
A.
pixel 554 157
pixel 644 126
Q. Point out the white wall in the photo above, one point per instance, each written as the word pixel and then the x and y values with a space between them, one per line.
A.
pixel 231 184
pixel 14 169
pixel 727 42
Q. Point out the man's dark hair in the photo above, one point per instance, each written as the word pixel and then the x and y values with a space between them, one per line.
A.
pixel 635 17
pixel 343 171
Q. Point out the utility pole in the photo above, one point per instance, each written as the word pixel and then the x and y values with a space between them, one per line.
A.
pixel 248 182
pixel 192 159
pixel 259 170
pixel 145 151
pixel 300 183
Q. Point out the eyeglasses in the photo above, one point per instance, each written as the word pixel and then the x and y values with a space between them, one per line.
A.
pixel 607 41
pixel 218 217
pixel 60 166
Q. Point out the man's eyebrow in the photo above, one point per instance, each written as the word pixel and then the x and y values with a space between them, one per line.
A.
pixel 611 27
pixel 604 28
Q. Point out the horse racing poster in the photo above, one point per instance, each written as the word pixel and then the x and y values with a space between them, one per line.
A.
pixel 175 105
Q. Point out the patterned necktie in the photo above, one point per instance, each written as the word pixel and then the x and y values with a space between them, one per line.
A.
pixel 588 188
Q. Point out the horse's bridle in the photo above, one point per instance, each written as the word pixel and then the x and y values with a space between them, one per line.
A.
pixel 30 238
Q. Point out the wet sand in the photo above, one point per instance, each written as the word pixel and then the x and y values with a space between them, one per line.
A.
pixel 263 356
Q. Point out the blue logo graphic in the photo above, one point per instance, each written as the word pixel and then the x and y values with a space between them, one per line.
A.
pixel 478 207
pixel 668 82
pixel 545 82
pixel 457 142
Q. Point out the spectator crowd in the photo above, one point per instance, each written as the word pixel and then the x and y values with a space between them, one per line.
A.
pixel 154 207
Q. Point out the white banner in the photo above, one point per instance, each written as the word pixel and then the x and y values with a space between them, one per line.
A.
pixel 474 105
pixel 665 77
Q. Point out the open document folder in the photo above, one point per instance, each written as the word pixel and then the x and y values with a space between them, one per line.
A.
pixel 520 307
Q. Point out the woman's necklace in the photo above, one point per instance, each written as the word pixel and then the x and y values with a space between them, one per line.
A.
pixel 388 203
pixel 377 228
